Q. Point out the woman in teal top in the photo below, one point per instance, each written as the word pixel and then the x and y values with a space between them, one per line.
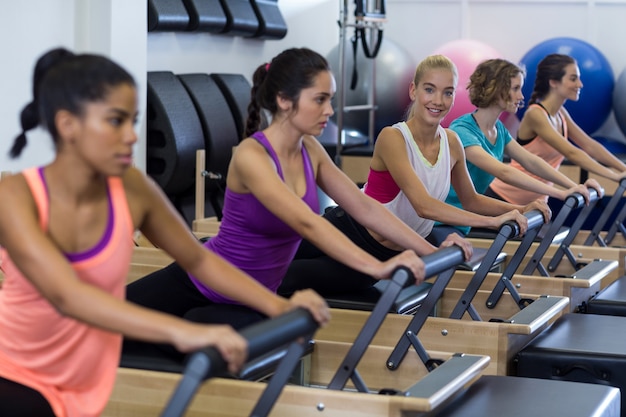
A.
pixel 496 87
pixel 470 134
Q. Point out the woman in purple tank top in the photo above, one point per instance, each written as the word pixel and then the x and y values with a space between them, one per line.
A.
pixel 271 198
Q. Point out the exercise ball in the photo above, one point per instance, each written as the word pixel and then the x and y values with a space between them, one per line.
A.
pixel 619 101
pixel 612 145
pixel 394 68
pixel 594 104
pixel 466 55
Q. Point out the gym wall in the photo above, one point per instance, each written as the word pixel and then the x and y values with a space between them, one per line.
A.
pixel 119 28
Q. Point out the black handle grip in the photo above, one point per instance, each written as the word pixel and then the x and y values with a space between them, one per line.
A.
pixel 434 264
pixel 262 337
pixel 511 229
pixel 579 200
pixel 593 195
pixel 535 219
pixel 442 260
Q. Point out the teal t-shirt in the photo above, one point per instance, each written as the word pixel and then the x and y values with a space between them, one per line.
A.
pixel 470 134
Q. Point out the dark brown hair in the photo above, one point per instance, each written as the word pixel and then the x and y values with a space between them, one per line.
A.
pixel 552 67
pixel 286 75
pixel 63 80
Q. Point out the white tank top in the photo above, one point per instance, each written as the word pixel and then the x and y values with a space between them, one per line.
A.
pixel 436 179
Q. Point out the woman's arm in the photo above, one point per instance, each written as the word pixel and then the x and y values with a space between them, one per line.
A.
pixel 536 121
pixel 592 146
pixel 535 165
pixel 508 174
pixel 532 163
pixel 390 153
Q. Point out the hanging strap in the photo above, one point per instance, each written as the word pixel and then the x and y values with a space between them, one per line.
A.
pixel 355 74
pixel 366 49
pixel 359 32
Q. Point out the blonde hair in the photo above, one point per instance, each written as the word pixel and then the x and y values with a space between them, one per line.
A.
pixel 432 62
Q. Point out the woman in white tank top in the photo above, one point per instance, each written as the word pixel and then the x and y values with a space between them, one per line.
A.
pixel 424 160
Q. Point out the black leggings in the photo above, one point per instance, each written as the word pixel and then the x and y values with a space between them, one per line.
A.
pixel 171 291
pixel 490 193
pixel 17 400
pixel 440 233
pixel 311 268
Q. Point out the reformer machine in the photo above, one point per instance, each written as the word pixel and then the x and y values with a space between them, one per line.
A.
pixel 606 242
pixel 421 385
pixel 611 300
pixel 616 232
pixel 457 333
pixel 489 396
pixel 576 288
pixel 439 393
pixel 539 257
pixel 583 283
pixel 589 347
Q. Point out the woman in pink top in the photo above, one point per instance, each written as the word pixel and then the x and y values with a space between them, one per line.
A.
pixel 66 232
pixel 547 129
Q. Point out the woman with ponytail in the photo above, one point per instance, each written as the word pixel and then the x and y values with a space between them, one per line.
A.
pixel 66 233
pixel 271 199
pixel 548 131
pixel 30 116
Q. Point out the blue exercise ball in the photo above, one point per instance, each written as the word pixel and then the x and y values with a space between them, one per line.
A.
pixel 619 101
pixel 595 102
pixel 615 146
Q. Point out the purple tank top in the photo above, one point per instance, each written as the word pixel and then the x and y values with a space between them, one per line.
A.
pixel 252 238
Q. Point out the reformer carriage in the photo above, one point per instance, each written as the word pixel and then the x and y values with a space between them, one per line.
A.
pixel 333 367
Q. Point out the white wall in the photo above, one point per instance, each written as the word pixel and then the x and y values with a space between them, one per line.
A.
pixel 26 32
pixel 311 23
pixel 118 28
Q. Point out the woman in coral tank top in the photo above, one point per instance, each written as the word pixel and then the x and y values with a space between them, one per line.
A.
pixel 66 231
pixel 548 131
